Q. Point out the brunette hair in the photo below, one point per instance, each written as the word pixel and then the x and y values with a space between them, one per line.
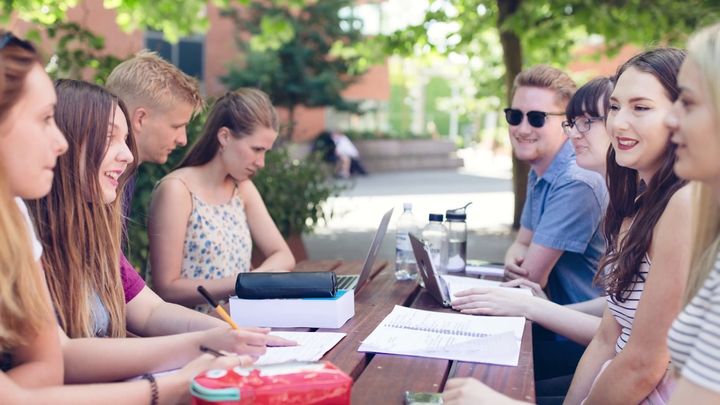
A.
pixel 22 309
pixel 586 98
pixel 80 233
pixel 242 112
pixel 547 77
pixel 630 199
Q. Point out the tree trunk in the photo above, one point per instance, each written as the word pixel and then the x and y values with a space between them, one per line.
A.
pixel 290 131
pixel 512 58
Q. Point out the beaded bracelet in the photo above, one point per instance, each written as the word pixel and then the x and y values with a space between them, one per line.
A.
pixel 154 394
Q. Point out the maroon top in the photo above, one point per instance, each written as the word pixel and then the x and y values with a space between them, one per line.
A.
pixel 132 282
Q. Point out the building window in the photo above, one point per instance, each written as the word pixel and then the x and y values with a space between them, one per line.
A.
pixel 188 53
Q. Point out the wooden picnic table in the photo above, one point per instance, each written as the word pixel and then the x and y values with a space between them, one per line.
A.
pixel 384 378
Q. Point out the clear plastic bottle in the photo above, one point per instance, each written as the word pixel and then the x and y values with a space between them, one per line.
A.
pixel 405 265
pixel 435 236
pixel 457 239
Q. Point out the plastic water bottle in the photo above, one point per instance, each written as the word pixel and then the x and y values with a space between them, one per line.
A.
pixel 457 239
pixel 435 236
pixel 405 265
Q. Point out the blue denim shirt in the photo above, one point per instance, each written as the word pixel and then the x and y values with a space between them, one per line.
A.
pixel 563 209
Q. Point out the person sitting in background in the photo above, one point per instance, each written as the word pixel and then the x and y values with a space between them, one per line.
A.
pixel 338 150
pixel 348 157
pixel 205 215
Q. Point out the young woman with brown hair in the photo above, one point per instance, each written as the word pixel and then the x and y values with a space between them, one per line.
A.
pixel 205 216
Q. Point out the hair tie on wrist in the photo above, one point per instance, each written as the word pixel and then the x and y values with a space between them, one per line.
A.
pixel 154 393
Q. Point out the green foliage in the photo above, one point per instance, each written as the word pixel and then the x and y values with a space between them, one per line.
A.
pixel 294 190
pixel 548 30
pixel 175 18
pixel 312 68
pixel 78 53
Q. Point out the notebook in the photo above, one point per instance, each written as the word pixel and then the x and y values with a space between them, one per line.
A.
pixel 481 339
pixel 356 281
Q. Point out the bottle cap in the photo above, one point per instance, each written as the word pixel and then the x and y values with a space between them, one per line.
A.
pixel 435 217
pixel 407 206
pixel 455 216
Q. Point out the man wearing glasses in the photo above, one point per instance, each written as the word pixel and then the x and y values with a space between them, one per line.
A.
pixel 559 243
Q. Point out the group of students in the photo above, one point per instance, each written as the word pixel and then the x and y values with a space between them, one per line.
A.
pixel 69 299
pixel 615 197
pixel 653 132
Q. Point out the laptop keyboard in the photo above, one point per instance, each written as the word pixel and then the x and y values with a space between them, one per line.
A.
pixel 347 282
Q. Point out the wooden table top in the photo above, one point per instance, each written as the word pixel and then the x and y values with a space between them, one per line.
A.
pixel 383 378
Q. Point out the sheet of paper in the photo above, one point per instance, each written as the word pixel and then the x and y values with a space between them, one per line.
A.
pixel 480 339
pixel 311 347
pixel 456 283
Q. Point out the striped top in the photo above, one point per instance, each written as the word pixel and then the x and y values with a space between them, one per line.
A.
pixel 624 312
pixel 694 338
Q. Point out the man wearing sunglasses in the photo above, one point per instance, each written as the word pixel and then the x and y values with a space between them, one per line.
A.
pixel 559 243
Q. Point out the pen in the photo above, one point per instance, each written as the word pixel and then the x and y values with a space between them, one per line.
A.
pixel 224 315
pixel 214 352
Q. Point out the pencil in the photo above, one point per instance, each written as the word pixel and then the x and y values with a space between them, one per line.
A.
pixel 212 351
pixel 224 315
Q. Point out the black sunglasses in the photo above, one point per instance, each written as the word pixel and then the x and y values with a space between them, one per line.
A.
pixel 9 39
pixel 535 118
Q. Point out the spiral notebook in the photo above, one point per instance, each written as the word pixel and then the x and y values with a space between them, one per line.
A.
pixel 478 339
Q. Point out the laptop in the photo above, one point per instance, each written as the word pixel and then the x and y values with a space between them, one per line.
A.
pixel 356 281
pixel 436 285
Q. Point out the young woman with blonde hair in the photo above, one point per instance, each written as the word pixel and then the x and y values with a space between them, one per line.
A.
pixel 206 215
pixel 694 340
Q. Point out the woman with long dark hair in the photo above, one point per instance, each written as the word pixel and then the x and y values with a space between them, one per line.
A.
pixel 206 215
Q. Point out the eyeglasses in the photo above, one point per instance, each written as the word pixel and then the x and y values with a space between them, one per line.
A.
pixel 582 125
pixel 535 118
pixel 9 39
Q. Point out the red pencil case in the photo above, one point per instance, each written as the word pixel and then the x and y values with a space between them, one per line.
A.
pixel 318 383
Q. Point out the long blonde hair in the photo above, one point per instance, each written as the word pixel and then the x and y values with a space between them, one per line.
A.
pixel 23 311
pixel 704 50
pixel 80 233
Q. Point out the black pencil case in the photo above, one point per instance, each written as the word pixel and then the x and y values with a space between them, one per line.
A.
pixel 258 286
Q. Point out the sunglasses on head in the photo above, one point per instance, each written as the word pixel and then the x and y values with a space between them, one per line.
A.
pixel 9 39
pixel 535 118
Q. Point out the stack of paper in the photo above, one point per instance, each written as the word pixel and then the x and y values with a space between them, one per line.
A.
pixel 311 346
pixel 456 284
pixel 480 339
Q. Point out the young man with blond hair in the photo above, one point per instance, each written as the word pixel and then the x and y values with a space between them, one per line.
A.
pixel 160 100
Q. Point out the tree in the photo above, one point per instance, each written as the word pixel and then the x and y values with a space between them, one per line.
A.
pixel 174 18
pixel 311 67
pixel 531 32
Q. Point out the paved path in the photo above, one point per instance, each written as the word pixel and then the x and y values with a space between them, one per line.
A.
pixel 357 212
